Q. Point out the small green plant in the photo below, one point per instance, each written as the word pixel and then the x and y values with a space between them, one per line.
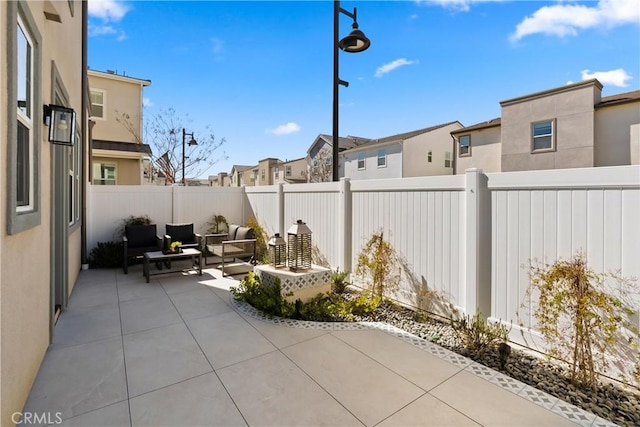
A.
pixel 477 334
pixel 579 320
pixel 339 281
pixel 218 224
pixel 262 252
pixel 106 255
pixel 267 299
pixel 377 261
pixel 365 304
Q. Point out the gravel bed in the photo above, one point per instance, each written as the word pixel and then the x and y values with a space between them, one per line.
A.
pixel 611 401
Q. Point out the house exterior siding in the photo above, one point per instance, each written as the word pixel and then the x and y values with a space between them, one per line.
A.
pixel 416 150
pixel 614 140
pixel 26 255
pixel 571 108
pixel 121 123
pixel 485 151
pixel 392 169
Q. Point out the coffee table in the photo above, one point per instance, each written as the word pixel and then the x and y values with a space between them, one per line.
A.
pixel 158 256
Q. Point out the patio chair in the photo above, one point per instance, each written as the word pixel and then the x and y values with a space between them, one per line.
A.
pixel 137 240
pixel 184 233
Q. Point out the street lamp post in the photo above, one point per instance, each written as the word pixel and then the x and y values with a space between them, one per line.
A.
pixel 355 42
pixel 192 141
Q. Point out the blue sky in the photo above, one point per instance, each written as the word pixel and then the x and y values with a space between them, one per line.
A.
pixel 259 74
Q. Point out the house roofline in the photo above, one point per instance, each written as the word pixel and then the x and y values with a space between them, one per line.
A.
pixel 497 122
pixel 561 89
pixel 113 76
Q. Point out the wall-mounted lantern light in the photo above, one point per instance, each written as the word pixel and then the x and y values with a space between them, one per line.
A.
pixel 62 124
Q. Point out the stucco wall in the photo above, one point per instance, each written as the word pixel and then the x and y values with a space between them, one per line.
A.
pixel 485 151
pixel 572 108
pixel 439 141
pixel 635 144
pixel 393 169
pixel 128 171
pixel 613 134
pixel 120 97
pixel 25 288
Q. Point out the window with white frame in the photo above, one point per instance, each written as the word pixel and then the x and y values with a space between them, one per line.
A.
pixel 429 156
pixel 448 163
pixel 361 163
pixel 542 135
pixel 25 144
pixel 328 161
pixel 97 104
pixel 465 145
pixel 104 174
pixel 382 158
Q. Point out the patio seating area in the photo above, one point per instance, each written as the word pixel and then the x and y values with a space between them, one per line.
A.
pixel 180 351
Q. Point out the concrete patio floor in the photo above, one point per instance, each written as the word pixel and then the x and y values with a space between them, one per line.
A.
pixel 180 352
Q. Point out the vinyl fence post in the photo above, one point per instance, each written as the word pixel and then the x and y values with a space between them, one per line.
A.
pixel 346 224
pixel 280 208
pixel 477 244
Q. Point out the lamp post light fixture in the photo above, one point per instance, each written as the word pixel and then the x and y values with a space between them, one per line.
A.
pixel 192 141
pixel 355 42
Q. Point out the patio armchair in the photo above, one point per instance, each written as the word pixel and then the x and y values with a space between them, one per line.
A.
pixel 238 243
pixel 137 240
pixel 184 233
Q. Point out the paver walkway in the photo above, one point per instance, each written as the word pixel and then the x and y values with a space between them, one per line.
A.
pixel 180 352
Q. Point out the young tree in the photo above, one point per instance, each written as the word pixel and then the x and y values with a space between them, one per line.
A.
pixel 163 132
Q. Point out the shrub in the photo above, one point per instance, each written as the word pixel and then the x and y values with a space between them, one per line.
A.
pixel 377 261
pixel 579 320
pixel 262 253
pixel 217 224
pixel 267 299
pixel 477 334
pixel 106 255
pixel 339 281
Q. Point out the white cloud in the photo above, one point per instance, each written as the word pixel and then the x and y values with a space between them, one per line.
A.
pixel 285 129
pixel 413 17
pixel 389 67
pixel 101 30
pixel 107 10
pixel 457 5
pixel 567 19
pixel 617 77
pixel 146 102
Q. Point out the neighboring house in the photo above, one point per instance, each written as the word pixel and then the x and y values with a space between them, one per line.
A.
pixel 319 156
pixel 421 152
pixel 571 126
pixel 238 175
pixel 41 246
pixel 266 168
pixel 220 180
pixel 118 151
pixel 293 171
pixel 478 146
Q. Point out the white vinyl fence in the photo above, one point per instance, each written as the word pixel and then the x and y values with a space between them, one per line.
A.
pixel 109 205
pixel 470 238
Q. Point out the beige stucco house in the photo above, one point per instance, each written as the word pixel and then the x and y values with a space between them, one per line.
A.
pixel 241 175
pixel 118 151
pixel 571 126
pixel 292 171
pixel 42 64
pixel 422 152
pixel 266 168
